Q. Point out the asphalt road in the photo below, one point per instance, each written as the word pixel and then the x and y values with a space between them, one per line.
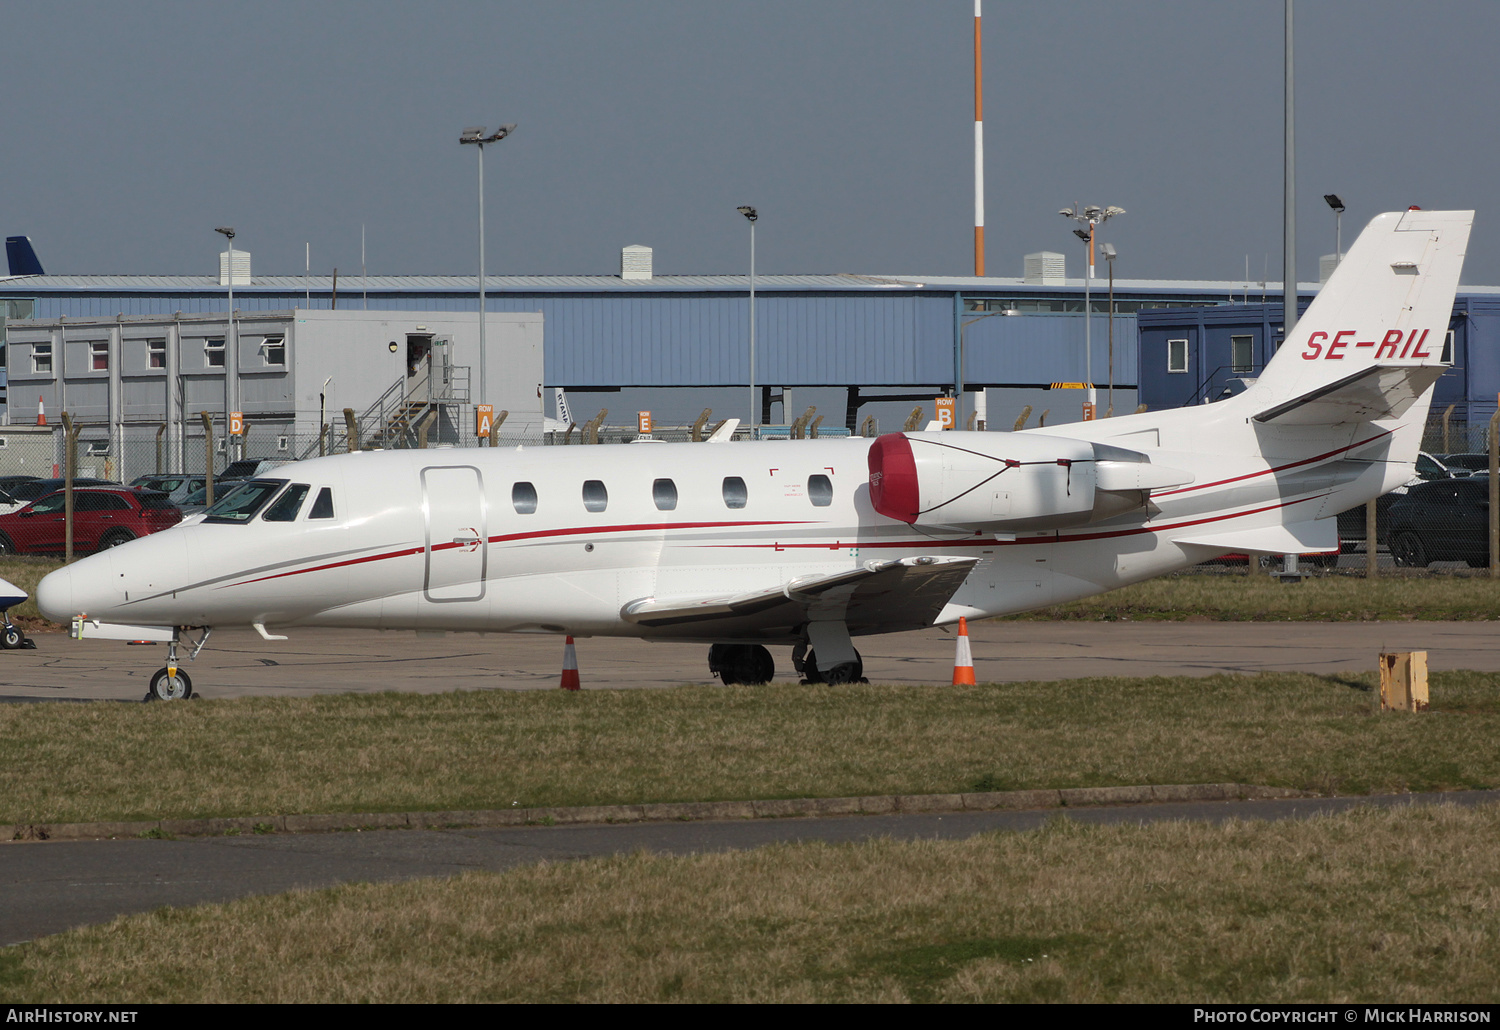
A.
pixel 237 662
pixel 48 887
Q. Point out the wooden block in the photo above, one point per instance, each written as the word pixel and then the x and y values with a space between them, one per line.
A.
pixel 1403 681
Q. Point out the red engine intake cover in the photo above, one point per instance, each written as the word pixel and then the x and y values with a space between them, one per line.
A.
pixel 893 478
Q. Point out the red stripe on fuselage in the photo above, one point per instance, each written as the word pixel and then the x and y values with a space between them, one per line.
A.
pixel 506 538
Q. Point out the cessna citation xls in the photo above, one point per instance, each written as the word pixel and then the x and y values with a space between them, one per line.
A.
pixel 811 543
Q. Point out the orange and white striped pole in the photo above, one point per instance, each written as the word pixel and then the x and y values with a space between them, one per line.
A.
pixel 978 148
pixel 570 667
pixel 963 660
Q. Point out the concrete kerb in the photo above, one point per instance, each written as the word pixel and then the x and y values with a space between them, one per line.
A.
pixel 663 812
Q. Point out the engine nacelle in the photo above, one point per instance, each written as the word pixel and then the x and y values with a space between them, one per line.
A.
pixel 1008 481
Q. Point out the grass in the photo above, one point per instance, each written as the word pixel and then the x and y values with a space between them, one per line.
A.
pixel 500 749
pixel 1227 596
pixel 1396 906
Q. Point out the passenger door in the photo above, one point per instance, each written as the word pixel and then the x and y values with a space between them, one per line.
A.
pixel 457 541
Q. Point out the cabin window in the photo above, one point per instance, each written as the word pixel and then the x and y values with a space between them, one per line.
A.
pixel 664 493
pixel 820 490
pixel 213 352
pixel 1177 357
pixel 735 494
pixel 241 505
pixel 99 356
pixel 523 498
pixel 322 507
pixel 288 504
pixel 41 358
pixel 1242 353
pixel 156 353
pixel 595 496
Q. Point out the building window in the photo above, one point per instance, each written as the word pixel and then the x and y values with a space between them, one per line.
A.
pixel 283 443
pixel 273 350
pixel 1242 353
pixel 523 497
pixel 664 493
pixel 156 353
pixel 41 359
pixel 99 355
pixel 735 494
pixel 595 496
pixel 820 490
pixel 1177 357
pixel 213 352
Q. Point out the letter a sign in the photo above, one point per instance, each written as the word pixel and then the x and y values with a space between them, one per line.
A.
pixel 484 420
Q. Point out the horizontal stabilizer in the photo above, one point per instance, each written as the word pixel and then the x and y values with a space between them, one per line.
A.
pixel 901 590
pixel 1379 392
pixel 1314 535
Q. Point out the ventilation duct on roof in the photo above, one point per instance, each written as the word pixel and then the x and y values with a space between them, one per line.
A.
pixel 635 262
pixel 1046 267
pixel 235 264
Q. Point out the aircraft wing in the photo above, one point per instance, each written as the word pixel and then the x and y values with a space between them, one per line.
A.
pixel 1381 391
pixel 904 592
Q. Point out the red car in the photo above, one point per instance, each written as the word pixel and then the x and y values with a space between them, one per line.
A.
pixel 102 517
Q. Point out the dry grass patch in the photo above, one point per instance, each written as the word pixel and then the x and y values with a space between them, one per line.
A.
pixel 26 572
pixel 1393 906
pixel 1255 597
pixel 409 752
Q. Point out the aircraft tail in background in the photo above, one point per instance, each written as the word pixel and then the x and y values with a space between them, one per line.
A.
pixel 21 257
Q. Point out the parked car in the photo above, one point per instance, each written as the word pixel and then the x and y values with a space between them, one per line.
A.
pixel 1430 468
pixel 1445 520
pixel 176 486
pixel 1473 464
pixel 102 517
pixel 15 498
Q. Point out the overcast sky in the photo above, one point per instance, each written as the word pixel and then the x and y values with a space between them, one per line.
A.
pixel 133 128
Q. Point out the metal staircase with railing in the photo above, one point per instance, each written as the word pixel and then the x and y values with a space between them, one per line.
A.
pixel 398 414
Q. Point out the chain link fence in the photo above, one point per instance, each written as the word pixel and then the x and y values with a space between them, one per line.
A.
pixel 1437 524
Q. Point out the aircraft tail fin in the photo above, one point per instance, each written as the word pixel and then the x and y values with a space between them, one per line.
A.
pixel 1375 338
pixel 21 257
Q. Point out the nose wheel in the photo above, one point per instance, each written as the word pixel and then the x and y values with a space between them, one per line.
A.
pixel 169 685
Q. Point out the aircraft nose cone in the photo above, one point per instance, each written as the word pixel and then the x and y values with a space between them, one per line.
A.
pixel 54 596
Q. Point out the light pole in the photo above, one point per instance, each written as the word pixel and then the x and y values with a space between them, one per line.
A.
pixel 1109 256
pixel 1333 201
pixel 1092 216
pixel 476 134
pixel 232 342
pixel 750 216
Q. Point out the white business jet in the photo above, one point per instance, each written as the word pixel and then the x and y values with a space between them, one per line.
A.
pixel 811 543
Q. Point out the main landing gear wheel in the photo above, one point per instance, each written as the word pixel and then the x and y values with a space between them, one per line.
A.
pixel 844 672
pixel 170 688
pixel 750 664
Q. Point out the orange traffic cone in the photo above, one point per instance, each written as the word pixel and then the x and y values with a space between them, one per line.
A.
pixel 41 411
pixel 963 661
pixel 570 667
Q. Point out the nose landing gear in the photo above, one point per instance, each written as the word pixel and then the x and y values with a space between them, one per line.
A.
pixel 171 683
pixel 11 637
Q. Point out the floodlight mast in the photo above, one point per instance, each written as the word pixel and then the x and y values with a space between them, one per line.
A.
pixel 476 134
pixel 750 216
pixel 1092 216
pixel 231 342
pixel 1333 201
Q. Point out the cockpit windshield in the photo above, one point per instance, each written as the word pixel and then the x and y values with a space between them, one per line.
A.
pixel 241 505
